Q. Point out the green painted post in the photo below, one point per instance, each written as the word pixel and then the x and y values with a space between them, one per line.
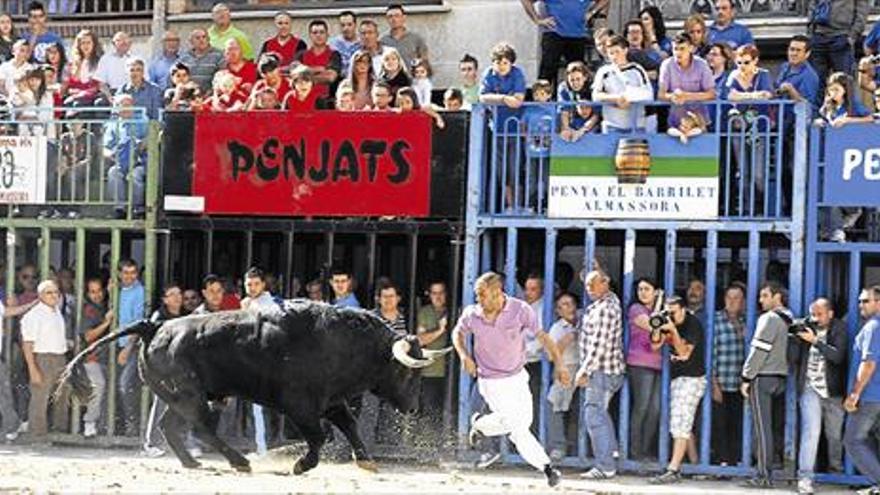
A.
pixel 10 290
pixel 80 276
pixel 115 250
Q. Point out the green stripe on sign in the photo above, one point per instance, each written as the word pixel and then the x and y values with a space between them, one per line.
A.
pixel 666 166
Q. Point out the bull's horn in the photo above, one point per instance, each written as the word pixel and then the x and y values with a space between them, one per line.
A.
pixel 400 351
pixel 429 354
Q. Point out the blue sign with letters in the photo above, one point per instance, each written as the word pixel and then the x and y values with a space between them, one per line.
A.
pixel 852 166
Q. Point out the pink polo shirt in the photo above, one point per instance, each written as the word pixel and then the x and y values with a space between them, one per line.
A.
pixel 499 346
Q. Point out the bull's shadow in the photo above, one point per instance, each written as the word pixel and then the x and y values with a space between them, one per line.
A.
pixel 303 359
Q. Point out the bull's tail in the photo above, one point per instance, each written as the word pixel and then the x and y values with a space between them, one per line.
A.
pixel 74 374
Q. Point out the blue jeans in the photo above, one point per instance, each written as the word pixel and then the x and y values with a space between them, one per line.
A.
pixel 858 440
pixel 644 384
pixel 825 415
pixel 600 388
pixel 129 393
pixel 117 183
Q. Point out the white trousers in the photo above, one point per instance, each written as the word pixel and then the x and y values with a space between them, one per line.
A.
pixel 510 401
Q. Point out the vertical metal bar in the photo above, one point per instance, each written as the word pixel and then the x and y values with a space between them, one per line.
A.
pixel 371 261
pixel 150 255
pixel 485 251
pixel 494 161
pixel 413 290
pixel 852 323
pixel 779 158
pixel 510 261
pixel 248 250
pixel 453 304
pixel 45 252
pixel 288 265
pixel 812 210
pixel 209 251
pixel 629 260
pixel 712 291
pixel 10 290
pixel 589 257
pixel 115 254
pixel 669 288
pixel 547 318
pixel 80 281
pixel 754 264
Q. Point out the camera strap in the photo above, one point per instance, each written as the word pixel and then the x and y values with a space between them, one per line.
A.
pixel 784 315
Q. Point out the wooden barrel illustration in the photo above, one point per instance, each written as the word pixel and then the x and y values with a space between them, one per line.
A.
pixel 633 161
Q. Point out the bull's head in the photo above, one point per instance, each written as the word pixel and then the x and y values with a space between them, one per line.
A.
pixel 403 387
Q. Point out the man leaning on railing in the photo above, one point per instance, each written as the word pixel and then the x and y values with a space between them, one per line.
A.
pixel 125 152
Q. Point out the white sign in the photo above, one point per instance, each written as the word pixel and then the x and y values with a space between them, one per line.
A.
pixel 659 198
pixel 23 169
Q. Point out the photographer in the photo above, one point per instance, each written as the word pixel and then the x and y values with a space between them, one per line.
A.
pixel 684 334
pixel 821 380
pixel 764 374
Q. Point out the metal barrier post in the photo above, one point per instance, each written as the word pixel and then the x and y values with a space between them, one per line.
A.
pixel 547 314
pixel 754 263
pixel 80 282
pixel 712 285
pixel 115 254
pixel 589 260
pixel 669 288
pixel 629 258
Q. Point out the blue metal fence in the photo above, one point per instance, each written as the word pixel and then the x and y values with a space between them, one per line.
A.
pixel 769 231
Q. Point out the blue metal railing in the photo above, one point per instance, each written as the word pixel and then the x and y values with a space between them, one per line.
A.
pixel 754 160
pixel 757 209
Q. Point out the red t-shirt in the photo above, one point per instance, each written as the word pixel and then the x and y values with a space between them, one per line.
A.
pixel 328 59
pixel 294 104
pixel 286 52
pixel 247 73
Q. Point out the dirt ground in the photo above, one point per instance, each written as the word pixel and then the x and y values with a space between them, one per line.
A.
pixel 55 469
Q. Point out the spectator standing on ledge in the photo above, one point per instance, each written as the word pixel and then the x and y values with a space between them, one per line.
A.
pixel 346 42
pixel 285 45
pixel 835 26
pixel 222 31
pixel 324 63
pixel 162 62
pixel 203 60
pixel 113 67
pixel 725 29
pixel 564 33
pixel 410 45
pixel 38 35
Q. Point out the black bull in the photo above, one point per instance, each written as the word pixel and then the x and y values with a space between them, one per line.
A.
pixel 304 359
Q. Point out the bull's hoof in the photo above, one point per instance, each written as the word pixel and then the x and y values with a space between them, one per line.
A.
pixel 242 468
pixel 299 467
pixel 367 465
pixel 191 464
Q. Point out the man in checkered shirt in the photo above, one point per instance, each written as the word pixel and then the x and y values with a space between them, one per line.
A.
pixel 601 370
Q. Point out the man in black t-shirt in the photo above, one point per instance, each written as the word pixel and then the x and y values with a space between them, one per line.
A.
pixel 684 334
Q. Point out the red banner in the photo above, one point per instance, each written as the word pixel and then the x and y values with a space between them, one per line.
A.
pixel 322 164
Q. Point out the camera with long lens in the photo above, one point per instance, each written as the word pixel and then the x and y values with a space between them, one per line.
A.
pixel 799 325
pixel 656 321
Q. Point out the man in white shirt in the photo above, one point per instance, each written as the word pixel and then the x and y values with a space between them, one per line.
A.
pixel 19 65
pixel 112 68
pixel 618 84
pixel 45 343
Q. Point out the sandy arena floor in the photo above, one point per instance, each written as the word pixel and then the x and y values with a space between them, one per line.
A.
pixel 29 469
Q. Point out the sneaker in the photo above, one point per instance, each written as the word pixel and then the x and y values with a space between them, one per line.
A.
pixel 553 475
pixel 667 478
pixel 805 486
pixel 597 474
pixel 23 427
pixel 11 436
pixel 195 452
pixel 873 490
pixel 90 430
pixel 474 435
pixel 763 483
pixel 152 451
pixel 487 459
pixel 838 235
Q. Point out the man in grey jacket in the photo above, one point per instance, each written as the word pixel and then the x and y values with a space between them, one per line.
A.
pixel 764 373
pixel 835 26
